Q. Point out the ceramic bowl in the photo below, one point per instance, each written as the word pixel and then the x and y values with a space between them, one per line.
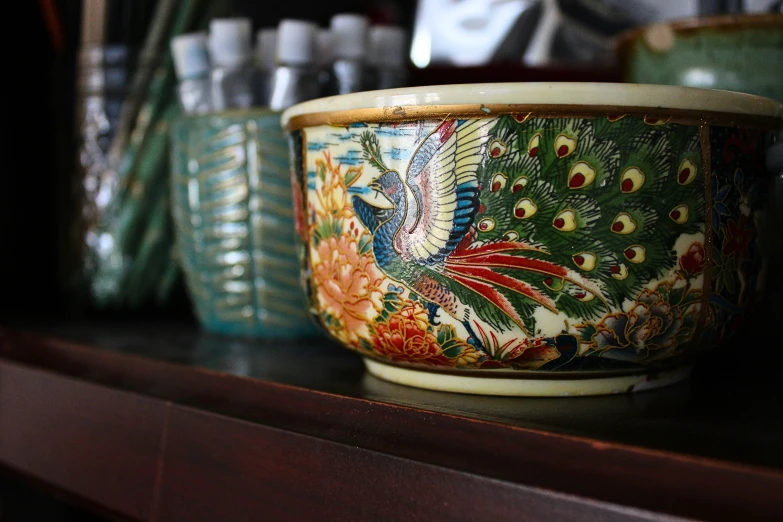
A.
pixel 531 239
pixel 234 224
pixel 741 53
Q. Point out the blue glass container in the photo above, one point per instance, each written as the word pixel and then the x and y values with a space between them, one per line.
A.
pixel 233 213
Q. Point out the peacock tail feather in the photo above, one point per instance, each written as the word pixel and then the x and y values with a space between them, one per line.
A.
pixel 561 184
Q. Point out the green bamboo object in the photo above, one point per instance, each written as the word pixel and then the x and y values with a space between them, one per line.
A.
pixel 136 221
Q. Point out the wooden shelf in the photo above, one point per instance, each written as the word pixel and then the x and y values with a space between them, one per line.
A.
pixel 152 422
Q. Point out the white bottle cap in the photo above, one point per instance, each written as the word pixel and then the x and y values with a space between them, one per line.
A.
pixel 230 41
pixel 296 42
pixel 350 36
pixel 266 48
pixel 387 46
pixel 189 52
pixel 324 47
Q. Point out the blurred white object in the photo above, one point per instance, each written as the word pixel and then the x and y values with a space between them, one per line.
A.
pixel 266 48
pixel 387 46
pixel 324 58
pixel 348 71
pixel 539 50
pixel 230 41
pixel 191 65
pixel 231 52
pixel 387 57
pixel 265 53
pixel 539 32
pixel 189 52
pixel 296 76
pixel 462 32
pixel 349 36
pixel 296 42
pixel 324 48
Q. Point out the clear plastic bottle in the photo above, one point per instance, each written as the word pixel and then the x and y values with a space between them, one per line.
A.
pixel 387 57
pixel 191 64
pixel 266 49
pixel 349 71
pixel 296 77
pixel 324 58
pixel 232 69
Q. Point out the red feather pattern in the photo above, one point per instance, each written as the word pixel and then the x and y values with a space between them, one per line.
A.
pixel 446 129
pixel 509 261
pixel 462 250
pixel 486 275
pixel 492 295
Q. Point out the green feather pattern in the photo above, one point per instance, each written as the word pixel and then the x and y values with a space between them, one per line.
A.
pixel 611 194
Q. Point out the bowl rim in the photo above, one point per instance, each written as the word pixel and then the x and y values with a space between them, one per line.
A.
pixel 492 99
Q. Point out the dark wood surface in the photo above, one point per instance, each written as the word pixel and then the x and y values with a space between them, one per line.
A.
pixel 48 430
pixel 280 428
pixel 285 475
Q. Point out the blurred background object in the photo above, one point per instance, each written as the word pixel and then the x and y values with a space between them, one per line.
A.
pixel 121 231
pixel 733 52
pixel 86 212
pixel 542 32
pixel 387 58
pixel 191 64
pixel 233 209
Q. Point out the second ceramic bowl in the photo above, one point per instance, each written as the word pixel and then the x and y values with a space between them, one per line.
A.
pixel 531 239
pixel 742 53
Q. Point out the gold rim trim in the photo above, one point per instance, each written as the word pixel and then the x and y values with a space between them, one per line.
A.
pixel 442 112
pixel 719 22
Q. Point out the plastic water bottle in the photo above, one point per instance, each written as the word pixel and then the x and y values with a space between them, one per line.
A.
pixel 266 49
pixel 387 57
pixel 324 58
pixel 350 48
pixel 296 77
pixel 232 70
pixel 191 64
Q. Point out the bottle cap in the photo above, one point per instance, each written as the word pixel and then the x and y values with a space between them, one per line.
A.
pixel 189 52
pixel 296 42
pixel 266 48
pixel 324 47
pixel 350 36
pixel 387 46
pixel 230 41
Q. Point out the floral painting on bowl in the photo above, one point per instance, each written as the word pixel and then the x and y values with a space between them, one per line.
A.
pixel 588 246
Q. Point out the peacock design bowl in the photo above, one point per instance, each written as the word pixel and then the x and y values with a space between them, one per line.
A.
pixel 531 239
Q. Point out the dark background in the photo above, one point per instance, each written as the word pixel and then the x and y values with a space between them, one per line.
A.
pixel 38 141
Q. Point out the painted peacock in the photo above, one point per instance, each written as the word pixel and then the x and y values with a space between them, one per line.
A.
pixel 496 217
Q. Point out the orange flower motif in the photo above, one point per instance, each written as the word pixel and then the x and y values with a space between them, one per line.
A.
pixel 348 283
pixel 331 196
pixel 404 336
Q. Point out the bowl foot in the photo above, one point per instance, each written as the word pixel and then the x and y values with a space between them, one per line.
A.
pixel 525 384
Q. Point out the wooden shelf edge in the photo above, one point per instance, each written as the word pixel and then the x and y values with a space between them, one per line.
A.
pixel 631 476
